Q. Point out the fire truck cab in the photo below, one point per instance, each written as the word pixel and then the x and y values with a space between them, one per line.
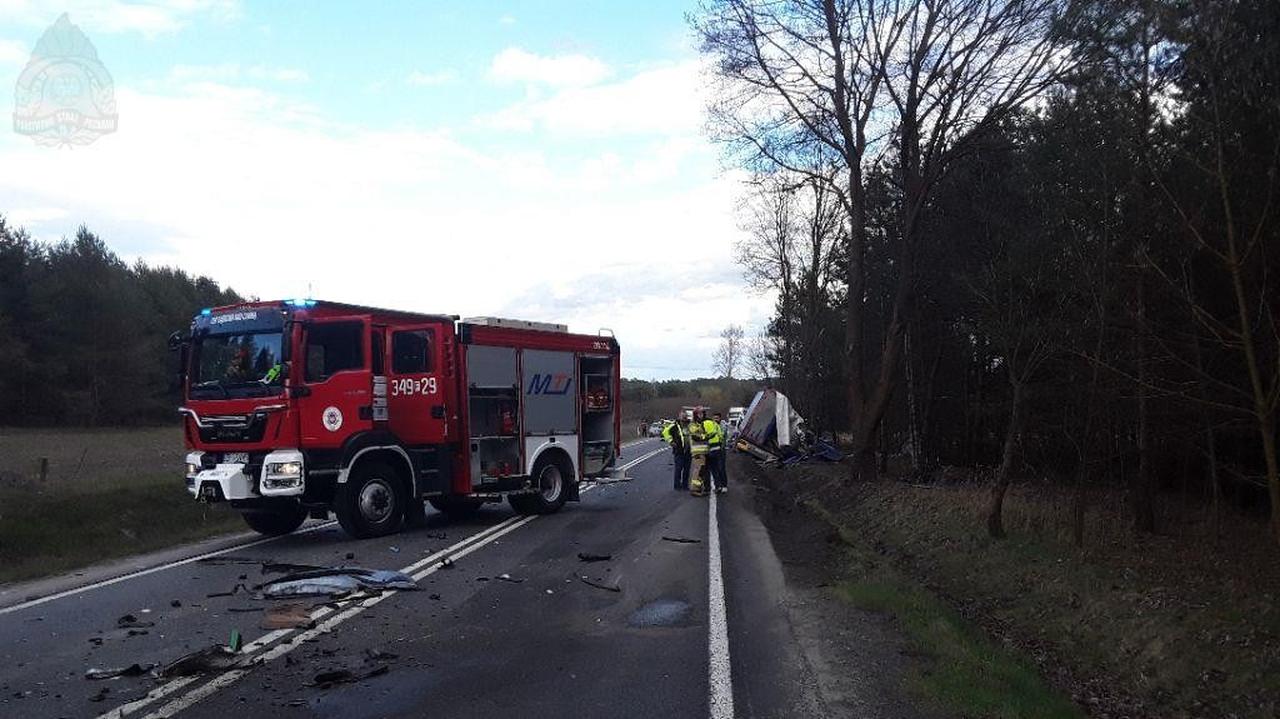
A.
pixel 300 408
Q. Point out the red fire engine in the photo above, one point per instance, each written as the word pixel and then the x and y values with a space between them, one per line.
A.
pixel 298 408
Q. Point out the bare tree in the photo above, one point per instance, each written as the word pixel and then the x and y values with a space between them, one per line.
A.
pixel 759 356
pixel 730 353
pixel 815 87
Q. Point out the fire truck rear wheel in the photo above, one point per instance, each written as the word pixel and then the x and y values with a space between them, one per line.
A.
pixel 551 477
pixel 371 503
pixel 277 522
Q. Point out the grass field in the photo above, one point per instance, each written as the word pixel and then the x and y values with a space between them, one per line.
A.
pixel 105 494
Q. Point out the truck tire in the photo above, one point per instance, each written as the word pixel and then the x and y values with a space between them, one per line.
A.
pixel 552 474
pixel 456 507
pixel 371 503
pixel 275 523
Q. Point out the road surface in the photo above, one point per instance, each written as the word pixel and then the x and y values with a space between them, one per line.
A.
pixel 696 629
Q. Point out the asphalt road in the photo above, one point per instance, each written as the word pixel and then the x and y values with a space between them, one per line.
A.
pixel 695 628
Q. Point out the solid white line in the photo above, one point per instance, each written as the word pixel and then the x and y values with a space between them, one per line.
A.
pixel 325 627
pixel 720 676
pixel 206 555
pixel 265 640
pixel 158 568
pixel 468 545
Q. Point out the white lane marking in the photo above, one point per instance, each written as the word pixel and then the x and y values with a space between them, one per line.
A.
pixel 265 640
pixel 641 458
pixel 158 568
pixel 720 676
pixel 206 555
pixel 229 678
pixel 476 541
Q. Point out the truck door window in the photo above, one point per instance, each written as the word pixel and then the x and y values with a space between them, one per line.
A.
pixel 411 351
pixel 333 347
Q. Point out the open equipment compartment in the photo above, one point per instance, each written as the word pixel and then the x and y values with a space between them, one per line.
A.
pixel 597 409
pixel 493 411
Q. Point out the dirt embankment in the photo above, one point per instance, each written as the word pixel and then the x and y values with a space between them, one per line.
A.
pixel 1130 626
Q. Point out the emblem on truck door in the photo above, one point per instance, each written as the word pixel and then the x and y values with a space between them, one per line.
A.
pixel 332 419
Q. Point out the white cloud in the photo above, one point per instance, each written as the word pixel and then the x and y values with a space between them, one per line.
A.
pixel 227 72
pixel 419 78
pixel 273 197
pixel 663 100
pixel 507 20
pixel 26 216
pixel 154 17
pixel 518 65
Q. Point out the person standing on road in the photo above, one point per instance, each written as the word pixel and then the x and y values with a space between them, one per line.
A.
pixel 677 435
pixel 715 453
pixel 724 451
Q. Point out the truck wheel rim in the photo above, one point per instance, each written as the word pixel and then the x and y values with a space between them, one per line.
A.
pixel 551 483
pixel 376 500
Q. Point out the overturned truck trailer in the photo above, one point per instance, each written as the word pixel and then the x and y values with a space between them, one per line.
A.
pixel 771 427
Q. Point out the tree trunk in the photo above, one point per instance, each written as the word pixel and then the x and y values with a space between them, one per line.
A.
pixel 1141 496
pixel 995 511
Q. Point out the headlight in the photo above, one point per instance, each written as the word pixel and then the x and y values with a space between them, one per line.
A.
pixel 284 469
pixel 192 469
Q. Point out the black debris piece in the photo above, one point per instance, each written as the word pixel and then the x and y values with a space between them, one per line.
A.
pixel 289 568
pixel 598 585
pixel 175 604
pixel 240 587
pixel 210 659
pixel 588 557
pixel 509 578
pixel 681 540
pixel 133 670
pixel 446 563
pixel 130 621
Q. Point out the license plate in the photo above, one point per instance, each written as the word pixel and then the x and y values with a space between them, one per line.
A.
pixel 209 493
pixel 235 458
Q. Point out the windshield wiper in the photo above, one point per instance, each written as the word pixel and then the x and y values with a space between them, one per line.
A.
pixel 213 383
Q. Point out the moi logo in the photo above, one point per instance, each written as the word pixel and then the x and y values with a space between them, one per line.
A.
pixel 549 384
pixel 64 95
pixel 332 419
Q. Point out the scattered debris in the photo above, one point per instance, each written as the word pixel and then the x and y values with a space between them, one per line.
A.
pixel 436 535
pixel 371 664
pixel 210 659
pixel 287 616
pixel 229 559
pixel 351 555
pixel 446 563
pixel 598 585
pixel 434 596
pixel 588 557
pixel 336 583
pixel 244 610
pixel 233 642
pixel 129 621
pixel 133 670
pixel 288 568
pixel 682 540
pixel 240 587
pixel 394 550
pixel 175 604
pixel 100 696
pixel 509 578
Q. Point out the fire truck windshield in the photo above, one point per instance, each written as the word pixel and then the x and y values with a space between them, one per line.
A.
pixel 237 365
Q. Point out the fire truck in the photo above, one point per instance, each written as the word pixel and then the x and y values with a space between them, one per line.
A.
pixel 300 408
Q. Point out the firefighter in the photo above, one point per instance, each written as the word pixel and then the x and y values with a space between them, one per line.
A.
pixel 715 453
pixel 677 435
pixel 725 443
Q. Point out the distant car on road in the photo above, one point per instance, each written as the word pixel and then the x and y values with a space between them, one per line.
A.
pixel 655 429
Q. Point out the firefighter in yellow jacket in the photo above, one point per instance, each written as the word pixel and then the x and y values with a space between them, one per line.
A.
pixel 715 453
pixel 677 435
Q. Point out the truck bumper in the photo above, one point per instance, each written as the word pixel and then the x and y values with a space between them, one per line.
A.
pixel 224 482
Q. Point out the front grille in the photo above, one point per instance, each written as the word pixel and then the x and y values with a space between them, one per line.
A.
pixel 233 428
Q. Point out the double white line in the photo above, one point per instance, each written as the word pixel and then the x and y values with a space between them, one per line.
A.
pixel 331 618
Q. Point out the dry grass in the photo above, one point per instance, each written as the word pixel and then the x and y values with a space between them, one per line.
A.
pixel 108 494
pixel 1164 626
pixel 87 456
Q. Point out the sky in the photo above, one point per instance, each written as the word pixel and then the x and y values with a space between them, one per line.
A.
pixel 539 160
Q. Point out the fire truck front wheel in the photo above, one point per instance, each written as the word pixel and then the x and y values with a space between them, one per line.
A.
pixel 275 522
pixel 371 503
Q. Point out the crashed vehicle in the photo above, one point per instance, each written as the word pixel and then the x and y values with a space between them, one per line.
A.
pixel 298 408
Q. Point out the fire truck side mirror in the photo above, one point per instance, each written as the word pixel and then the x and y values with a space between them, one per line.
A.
pixel 176 341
